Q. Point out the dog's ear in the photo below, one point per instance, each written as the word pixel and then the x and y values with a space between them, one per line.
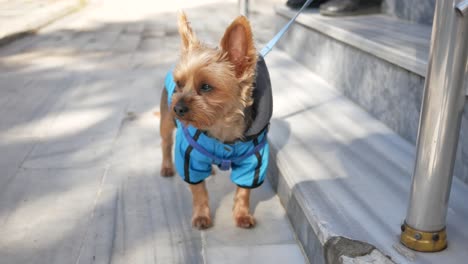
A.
pixel 186 33
pixel 239 44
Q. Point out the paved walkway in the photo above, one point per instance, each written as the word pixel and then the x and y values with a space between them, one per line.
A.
pixel 80 150
pixel 23 16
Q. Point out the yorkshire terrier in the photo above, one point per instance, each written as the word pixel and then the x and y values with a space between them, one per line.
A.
pixel 220 102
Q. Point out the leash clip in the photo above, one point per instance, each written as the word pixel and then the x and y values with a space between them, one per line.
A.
pixel 225 165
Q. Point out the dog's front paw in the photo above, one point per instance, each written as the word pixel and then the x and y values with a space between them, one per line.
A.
pixel 167 171
pixel 244 220
pixel 201 222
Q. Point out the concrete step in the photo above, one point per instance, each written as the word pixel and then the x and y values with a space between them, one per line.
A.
pixel 377 61
pixel 417 11
pixel 340 173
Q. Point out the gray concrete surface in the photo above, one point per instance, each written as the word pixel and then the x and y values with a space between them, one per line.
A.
pixel 80 150
pixel 340 172
pixel 418 11
pixel 19 17
pixel 397 41
pixel 378 61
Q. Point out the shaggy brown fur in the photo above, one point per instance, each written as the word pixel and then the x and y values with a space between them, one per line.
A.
pixel 229 71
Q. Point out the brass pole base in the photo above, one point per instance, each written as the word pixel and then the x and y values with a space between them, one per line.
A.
pixel 423 241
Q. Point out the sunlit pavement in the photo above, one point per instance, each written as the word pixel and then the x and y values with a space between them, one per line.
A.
pixel 80 150
pixel 18 17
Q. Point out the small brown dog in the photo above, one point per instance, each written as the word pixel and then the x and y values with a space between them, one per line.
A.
pixel 219 99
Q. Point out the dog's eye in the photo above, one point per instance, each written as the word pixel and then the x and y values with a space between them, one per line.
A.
pixel 178 87
pixel 206 88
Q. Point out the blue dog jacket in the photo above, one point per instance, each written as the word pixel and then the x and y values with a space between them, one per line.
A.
pixel 195 151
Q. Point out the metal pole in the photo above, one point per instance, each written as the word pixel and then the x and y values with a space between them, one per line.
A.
pixel 244 7
pixel 439 128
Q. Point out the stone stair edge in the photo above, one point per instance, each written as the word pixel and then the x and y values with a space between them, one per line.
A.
pixel 407 61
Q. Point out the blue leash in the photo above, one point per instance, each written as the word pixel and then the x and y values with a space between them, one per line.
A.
pixel 269 46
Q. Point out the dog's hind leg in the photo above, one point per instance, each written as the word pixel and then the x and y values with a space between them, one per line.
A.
pixel 166 129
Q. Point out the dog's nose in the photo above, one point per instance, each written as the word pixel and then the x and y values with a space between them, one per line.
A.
pixel 181 108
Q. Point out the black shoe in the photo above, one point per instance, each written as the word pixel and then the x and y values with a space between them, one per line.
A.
pixel 350 7
pixel 300 3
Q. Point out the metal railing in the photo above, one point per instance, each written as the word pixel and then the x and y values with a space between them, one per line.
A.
pixel 439 128
pixel 244 7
